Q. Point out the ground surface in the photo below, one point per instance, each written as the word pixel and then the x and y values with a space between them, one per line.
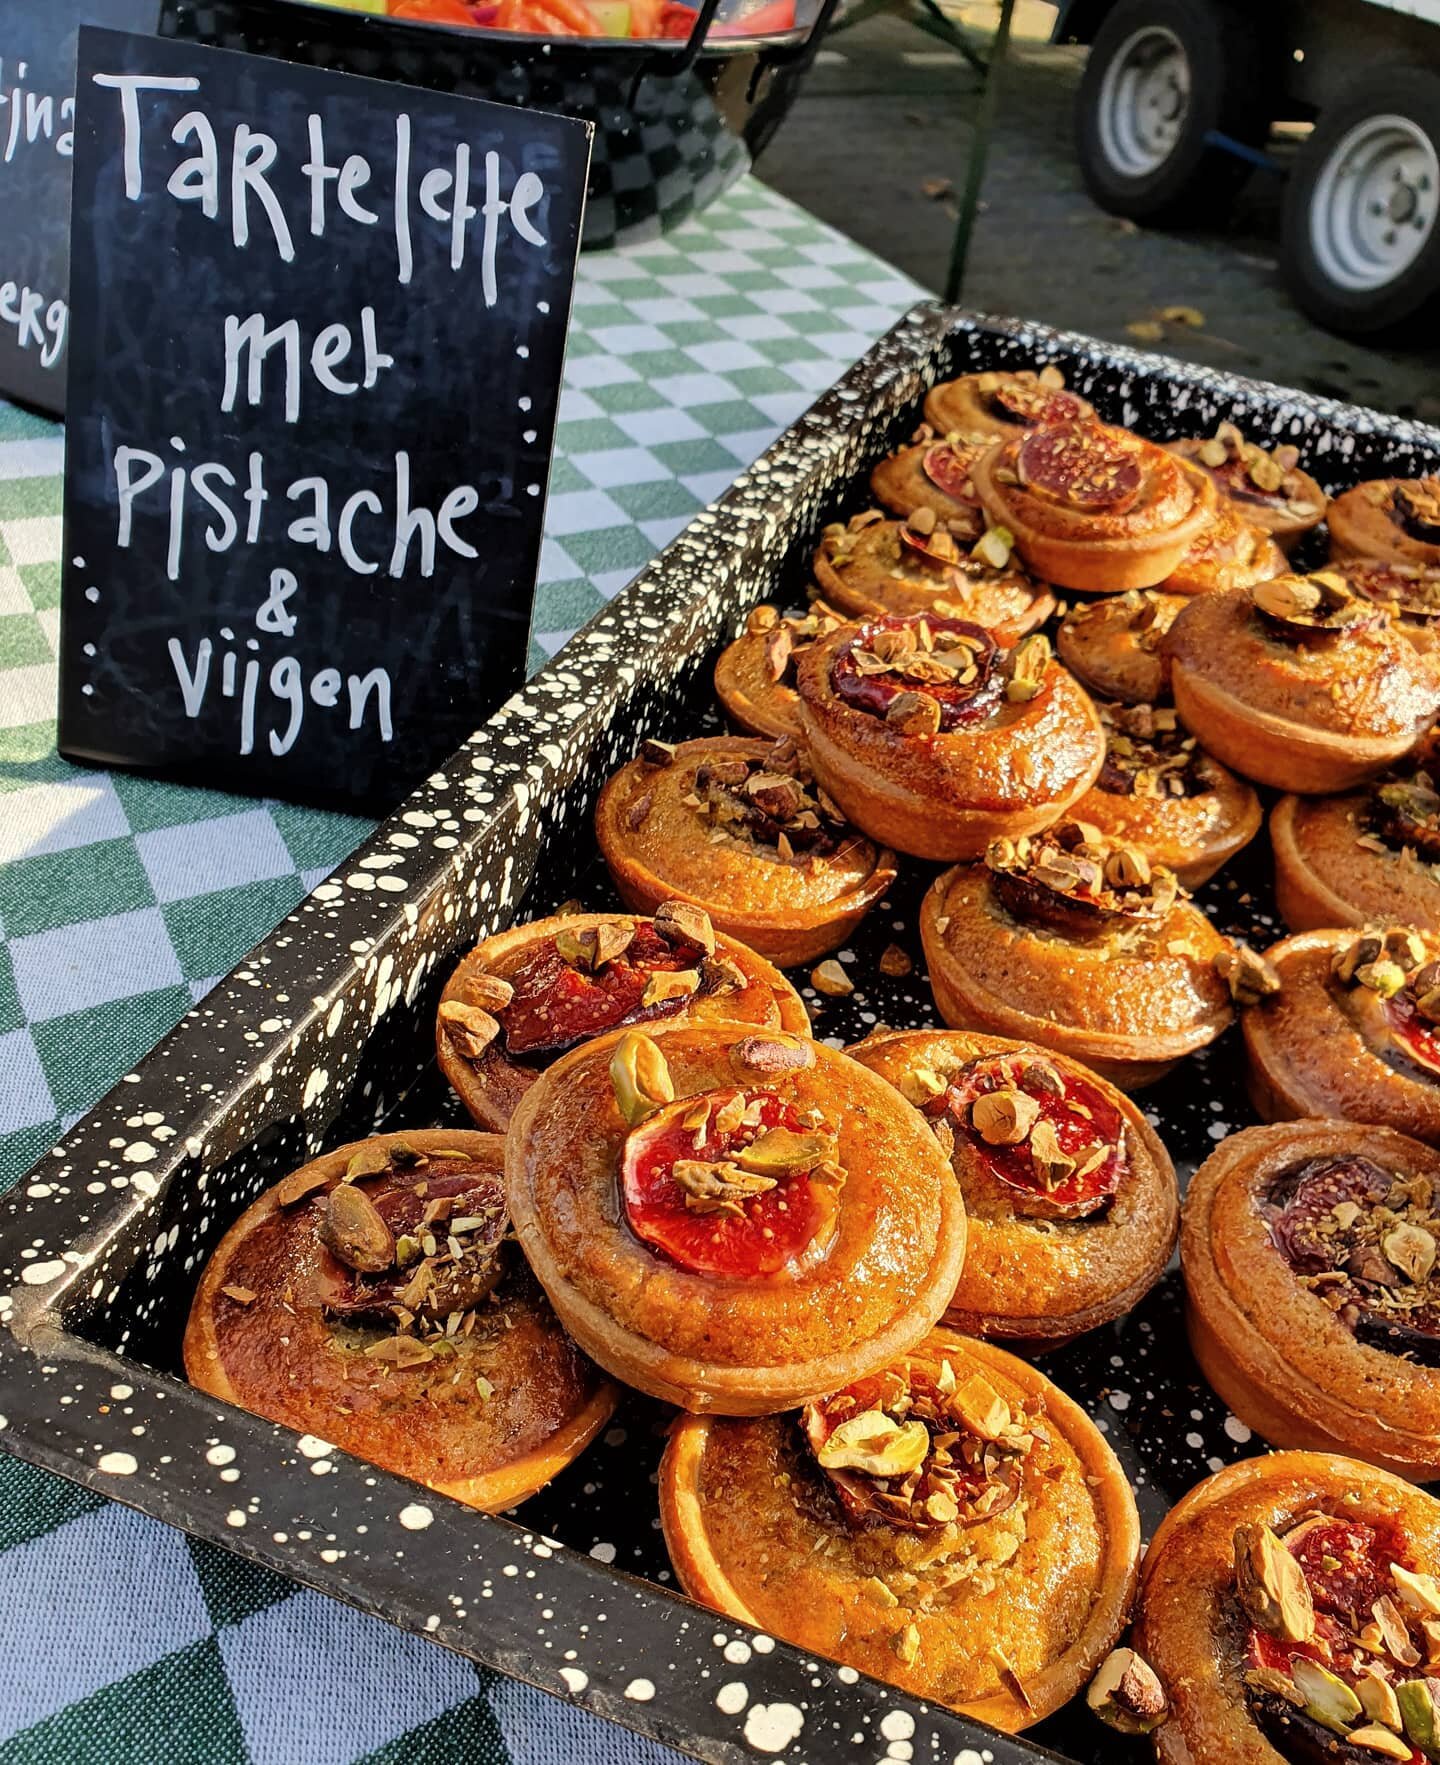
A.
pixel 887 112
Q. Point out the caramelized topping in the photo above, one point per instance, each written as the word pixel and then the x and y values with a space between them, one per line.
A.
pixel 1053 1142
pixel 1072 878
pixel 944 673
pixel 1246 471
pixel 1149 754
pixel 770 800
pixel 920 1451
pixel 735 1183
pixel 1337 1644
pixel 1363 1240
pixel 1030 398
pixel 1313 609
pixel 1087 466
pixel 588 979
pixel 1416 505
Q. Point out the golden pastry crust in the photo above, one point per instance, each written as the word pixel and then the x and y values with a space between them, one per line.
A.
pixel 1321 1046
pixel 755 675
pixel 1113 646
pixel 1017 766
pixel 1333 869
pixel 1054 1575
pixel 875 567
pixel 933 472
pixel 737 1346
pixel 1037 1270
pixel 1300 715
pixel 656 826
pixel 1189 1625
pixel 490 1082
pixel 1127 1001
pixel 279 1355
pixel 1161 791
pixel 1280 1357
pixel 1230 553
pixel 1002 404
pixel 1094 507
pixel 1050 1594
pixel 1369 521
pixel 1266 490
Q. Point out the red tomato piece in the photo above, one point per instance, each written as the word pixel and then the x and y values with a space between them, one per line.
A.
pixel 1083 465
pixel 769 1231
pixel 1082 1116
pixel 555 1006
pixel 959 705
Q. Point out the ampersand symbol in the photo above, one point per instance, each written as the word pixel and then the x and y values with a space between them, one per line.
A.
pixel 271 614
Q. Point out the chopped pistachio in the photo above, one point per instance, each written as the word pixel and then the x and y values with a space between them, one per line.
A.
pixel 1271 1585
pixel 1126 1693
pixel 640 1077
pixel 1328 1700
pixel 875 1444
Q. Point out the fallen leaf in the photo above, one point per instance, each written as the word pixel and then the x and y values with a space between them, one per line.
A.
pixel 1183 315
pixel 1122 224
pixel 1146 330
pixel 935 188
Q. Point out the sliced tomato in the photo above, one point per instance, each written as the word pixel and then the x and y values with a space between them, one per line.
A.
pixel 770 1231
pixel 1082 1116
pixel 1086 466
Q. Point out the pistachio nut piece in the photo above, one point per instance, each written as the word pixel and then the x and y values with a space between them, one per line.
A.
pixel 1419 1701
pixel 1328 1700
pixel 1420 1592
pixel 641 1078
pixel 354 1230
pixel 1271 1585
pixel 873 1443
pixel 1126 1693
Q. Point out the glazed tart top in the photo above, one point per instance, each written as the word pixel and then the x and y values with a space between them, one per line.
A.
pixel 1087 480
pixel 925 563
pixel 1270 483
pixel 1005 401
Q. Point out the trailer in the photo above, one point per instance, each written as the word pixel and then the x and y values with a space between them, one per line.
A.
pixel 1177 105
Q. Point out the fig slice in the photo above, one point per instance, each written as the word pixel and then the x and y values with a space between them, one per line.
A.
pixel 948 465
pixel 555 1005
pixel 1417 508
pixel 1088 467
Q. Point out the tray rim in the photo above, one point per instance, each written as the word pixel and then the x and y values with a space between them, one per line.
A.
pixel 33 1338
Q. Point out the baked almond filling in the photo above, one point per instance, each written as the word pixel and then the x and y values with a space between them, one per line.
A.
pixel 1341 1633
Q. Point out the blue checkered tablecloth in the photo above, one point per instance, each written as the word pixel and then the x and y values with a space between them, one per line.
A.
pixel 122 900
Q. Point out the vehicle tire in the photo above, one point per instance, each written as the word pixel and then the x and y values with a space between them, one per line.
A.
pixel 1162 75
pixel 1360 241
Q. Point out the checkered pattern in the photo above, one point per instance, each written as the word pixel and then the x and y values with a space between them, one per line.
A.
pixel 122 900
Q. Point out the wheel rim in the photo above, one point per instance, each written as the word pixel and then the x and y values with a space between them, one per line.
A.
pixel 1374 204
pixel 1144 101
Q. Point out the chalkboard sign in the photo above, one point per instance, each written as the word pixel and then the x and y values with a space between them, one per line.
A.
pixel 317 335
pixel 37 105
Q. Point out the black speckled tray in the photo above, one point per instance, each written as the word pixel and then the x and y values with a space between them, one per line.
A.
pixel 324 1033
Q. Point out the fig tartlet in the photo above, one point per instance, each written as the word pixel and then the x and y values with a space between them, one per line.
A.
pixel 1368 855
pixel 1392 520
pixel 1070 1200
pixel 933 740
pixel 1287 1607
pixel 373 1299
pixel 1299 684
pixel 523 997
pixel 738 827
pixel 1230 553
pixel 1081 945
pixel 1112 646
pixel 1003 404
pixel 1352 1030
pixel 732 1220
pixel 1411 593
pixel 1313 1300
pixel 933 472
pixel 1266 490
pixel 755 675
pixel 872 566
pixel 1161 791
pixel 953 1524
pixel 1093 507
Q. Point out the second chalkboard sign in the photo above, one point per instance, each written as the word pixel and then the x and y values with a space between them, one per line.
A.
pixel 318 326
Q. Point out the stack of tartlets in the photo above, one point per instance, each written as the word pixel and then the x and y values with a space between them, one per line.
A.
pixel 820 1257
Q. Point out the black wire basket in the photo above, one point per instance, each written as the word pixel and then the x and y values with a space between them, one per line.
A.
pixel 677 120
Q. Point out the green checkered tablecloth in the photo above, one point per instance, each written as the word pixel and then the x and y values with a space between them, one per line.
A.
pixel 122 900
